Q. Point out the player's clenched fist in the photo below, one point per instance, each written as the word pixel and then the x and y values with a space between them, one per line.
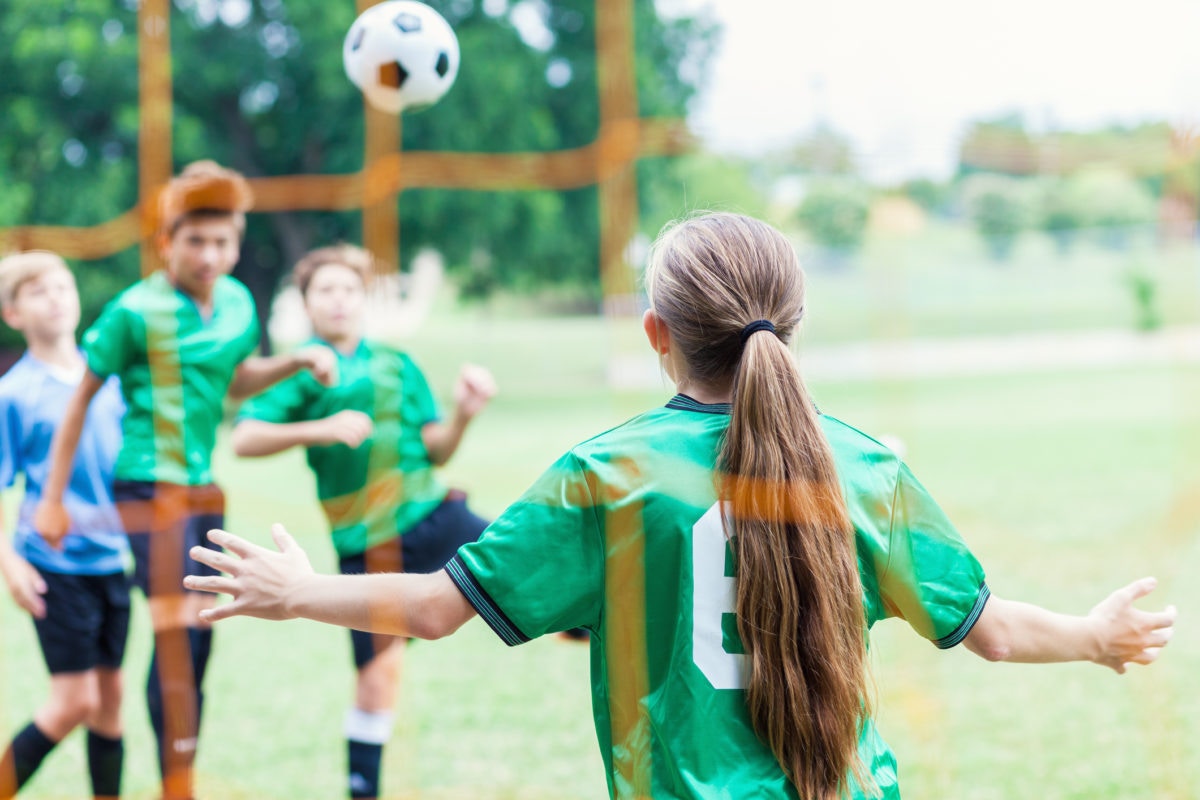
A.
pixel 348 427
pixel 321 362
pixel 474 389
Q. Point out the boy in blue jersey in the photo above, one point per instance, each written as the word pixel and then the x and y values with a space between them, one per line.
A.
pixel 77 594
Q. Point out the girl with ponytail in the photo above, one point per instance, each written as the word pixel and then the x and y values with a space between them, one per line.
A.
pixel 728 552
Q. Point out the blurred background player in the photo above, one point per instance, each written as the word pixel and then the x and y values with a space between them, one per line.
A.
pixel 78 592
pixel 373 440
pixel 180 340
pixel 728 551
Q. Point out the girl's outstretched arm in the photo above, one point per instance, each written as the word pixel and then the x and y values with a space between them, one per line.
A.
pixel 1114 634
pixel 281 584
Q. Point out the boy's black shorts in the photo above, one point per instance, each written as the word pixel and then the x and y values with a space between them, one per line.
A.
pixel 86 622
pixel 425 548
pixel 164 521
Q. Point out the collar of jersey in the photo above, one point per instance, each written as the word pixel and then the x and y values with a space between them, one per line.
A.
pixel 360 351
pixel 682 402
pixel 160 277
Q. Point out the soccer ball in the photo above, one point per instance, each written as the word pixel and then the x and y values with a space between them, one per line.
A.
pixel 402 55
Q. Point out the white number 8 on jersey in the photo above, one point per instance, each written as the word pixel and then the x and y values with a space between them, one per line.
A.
pixel 713 596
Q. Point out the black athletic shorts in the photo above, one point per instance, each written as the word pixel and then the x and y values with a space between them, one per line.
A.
pixel 86 622
pixel 164 521
pixel 425 548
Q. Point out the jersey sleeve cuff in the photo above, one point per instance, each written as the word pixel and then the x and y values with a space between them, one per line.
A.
pixel 960 633
pixel 475 594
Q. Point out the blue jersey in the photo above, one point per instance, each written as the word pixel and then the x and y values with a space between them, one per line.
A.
pixel 33 399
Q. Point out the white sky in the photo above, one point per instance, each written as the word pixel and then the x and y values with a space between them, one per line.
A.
pixel 902 78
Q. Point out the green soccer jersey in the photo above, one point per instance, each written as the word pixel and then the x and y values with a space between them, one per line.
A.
pixel 385 486
pixel 623 536
pixel 175 369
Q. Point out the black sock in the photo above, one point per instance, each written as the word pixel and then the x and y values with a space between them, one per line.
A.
pixel 105 759
pixel 154 705
pixel 200 640
pixel 365 760
pixel 23 757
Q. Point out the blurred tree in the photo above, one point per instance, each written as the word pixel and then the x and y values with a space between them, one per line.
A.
pixel 259 86
pixel 822 151
pixel 999 207
pixel 1111 203
pixel 1006 145
pixel 929 194
pixel 1002 144
pixel 68 131
pixel 834 212
pixel 704 182
pixel 1059 212
pixel 1179 211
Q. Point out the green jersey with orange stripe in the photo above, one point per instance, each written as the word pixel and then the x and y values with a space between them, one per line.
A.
pixel 623 536
pixel 381 489
pixel 175 368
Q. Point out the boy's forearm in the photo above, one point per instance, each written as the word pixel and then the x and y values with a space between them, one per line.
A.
pixel 443 438
pixel 259 373
pixel 253 438
pixel 66 438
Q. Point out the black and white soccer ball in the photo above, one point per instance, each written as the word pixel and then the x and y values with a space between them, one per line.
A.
pixel 402 55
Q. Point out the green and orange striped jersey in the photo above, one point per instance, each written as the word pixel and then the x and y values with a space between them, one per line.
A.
pixel 385 486
pixel 623 536
pixel 175 369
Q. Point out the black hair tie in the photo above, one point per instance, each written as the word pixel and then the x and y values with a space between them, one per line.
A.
pixel 755 327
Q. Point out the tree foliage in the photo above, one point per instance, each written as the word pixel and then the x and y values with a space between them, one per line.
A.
pixel 822 151
pixel 68 132
pixel 835 212
pixel 1000 209
pixel 259 86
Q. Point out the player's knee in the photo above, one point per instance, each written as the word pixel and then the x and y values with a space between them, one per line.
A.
pixel 74 709
pixel 108 700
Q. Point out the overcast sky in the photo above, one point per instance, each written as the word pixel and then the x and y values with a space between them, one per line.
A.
pixel 902 78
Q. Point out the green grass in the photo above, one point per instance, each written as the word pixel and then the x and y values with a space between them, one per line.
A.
pixel 1066 486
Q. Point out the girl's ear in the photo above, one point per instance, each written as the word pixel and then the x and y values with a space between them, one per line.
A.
pixel 656 332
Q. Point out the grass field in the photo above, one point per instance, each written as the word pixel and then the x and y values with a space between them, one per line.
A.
pixel 1066 486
